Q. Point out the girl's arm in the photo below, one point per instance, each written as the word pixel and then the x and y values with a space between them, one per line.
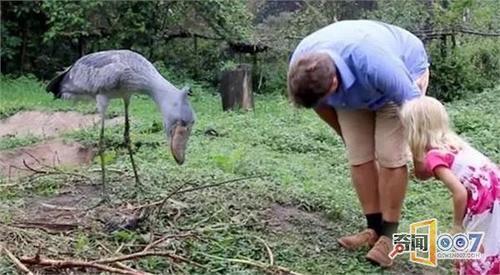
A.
pixel 458 191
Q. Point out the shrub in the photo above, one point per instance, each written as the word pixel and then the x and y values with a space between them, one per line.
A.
pixel 470 67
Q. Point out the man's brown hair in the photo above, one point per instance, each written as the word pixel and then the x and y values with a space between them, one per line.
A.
pixel 310 79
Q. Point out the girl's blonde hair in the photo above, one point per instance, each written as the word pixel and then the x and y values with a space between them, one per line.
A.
pixel 427 126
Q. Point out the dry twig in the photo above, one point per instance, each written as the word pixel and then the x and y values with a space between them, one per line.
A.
pixel 51 171
pixel 41 261
pixel 18 264
pixel 118 264
pixel 47 227
pixel 267 268
pixel 166 237
pixel 179 190
pixel 143 254
pixel 55 207
pixel 269 251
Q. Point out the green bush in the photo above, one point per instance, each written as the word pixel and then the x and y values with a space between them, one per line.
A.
pixel 470 67
pixel 272 76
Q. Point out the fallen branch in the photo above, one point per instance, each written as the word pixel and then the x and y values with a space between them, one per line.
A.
pixel 273 269
pixel 179 190
pixel 41 261
pixel 55 207
pixel 146 254
pixel 268 249
pixel 164 238
pixel 52 171
pixel 218 184
pixel 118 264
pixel 47 227
pixel 18 264
pixel 108 169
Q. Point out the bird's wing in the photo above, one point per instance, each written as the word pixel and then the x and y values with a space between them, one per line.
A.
pixel 94 73
pixel 54 85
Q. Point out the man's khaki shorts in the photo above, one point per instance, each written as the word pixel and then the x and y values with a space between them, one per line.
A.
pixel 370 135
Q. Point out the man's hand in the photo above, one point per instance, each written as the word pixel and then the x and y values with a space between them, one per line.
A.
pixel 329 115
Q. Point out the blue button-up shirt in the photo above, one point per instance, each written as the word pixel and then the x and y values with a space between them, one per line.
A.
pixel 377 62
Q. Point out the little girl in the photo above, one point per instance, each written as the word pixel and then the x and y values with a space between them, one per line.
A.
pixel 473 179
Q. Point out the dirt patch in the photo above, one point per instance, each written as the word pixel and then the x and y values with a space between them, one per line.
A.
pixel 54 153
pixel 79 206
pixel 73 207
pixel 48 124
pixel 281 218
pixel 315 232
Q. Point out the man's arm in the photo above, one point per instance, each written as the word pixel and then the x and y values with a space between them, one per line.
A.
pixel 329 115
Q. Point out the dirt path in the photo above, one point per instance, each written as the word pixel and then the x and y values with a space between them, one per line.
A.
pixel 53 152
pixel 48 124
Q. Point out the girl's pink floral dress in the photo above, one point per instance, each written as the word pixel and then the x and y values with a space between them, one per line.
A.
pixel 481 178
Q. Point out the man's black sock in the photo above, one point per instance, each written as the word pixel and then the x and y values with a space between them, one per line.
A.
pixel 389 228
pixel 374 221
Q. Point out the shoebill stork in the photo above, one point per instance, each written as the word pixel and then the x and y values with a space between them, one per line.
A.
pixel 106 75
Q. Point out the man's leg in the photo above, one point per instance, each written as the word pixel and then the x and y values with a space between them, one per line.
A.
pixel 358 133
pixel 365 180
pixel 392 189
pixel 392 155
pixel 393 174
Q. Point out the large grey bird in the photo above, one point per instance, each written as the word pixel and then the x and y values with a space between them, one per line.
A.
pixel 105 75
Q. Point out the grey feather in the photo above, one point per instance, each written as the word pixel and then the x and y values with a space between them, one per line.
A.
pixel 106 73
pixel 119 74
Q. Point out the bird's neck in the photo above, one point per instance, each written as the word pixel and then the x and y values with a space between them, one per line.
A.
pixel 161 89
pixel 164 94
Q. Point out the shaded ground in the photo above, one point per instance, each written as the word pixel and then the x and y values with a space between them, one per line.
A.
pixel 280 218
pixel 53 153
pixel 70 209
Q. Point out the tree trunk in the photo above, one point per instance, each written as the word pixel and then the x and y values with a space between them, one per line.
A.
pixel 196 58
pixel 236 88
pixel 81 46
pixel 255 71
pixel 443 47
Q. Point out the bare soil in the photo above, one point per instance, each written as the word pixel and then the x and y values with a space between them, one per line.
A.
pixel 48 124
pixel 53 153
pixel 68 210
pixel 281 218
pixel 312 229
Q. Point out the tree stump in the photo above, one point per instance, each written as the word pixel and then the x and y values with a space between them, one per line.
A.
pixel 236 88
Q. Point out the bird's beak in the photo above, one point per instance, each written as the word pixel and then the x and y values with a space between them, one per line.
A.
pixel 178 142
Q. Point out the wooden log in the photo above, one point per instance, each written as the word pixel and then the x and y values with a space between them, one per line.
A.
pixel 236 88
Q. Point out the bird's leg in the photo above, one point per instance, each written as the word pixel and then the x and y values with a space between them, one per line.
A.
pixel 101 155
pixel 126 136
pixel 102 105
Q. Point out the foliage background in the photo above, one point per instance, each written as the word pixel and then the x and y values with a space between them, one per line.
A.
pixel 197 39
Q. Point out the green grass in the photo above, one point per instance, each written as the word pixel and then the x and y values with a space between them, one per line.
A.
pixel 304 164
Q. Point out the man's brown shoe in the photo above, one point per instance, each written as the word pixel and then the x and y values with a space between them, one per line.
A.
pixel 379 254
pixel 367 237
